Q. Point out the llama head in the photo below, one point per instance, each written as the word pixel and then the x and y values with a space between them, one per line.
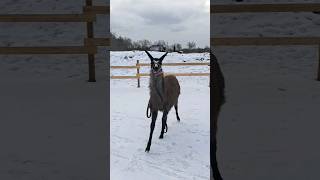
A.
pixel 156 63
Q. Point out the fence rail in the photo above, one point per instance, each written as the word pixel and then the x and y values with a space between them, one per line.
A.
pixel 90 43
pixel 96 9
pixel 263 41
pixel 48 50
pixel 97 42
pixel 139 75
pixel 266 41
pixel 48 18
pixel 254 8
pixel 179 64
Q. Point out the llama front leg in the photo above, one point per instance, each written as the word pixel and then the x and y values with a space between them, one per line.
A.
pixel 153 123
pixel 164 123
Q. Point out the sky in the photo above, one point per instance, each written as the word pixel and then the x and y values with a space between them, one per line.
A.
pixel 175 21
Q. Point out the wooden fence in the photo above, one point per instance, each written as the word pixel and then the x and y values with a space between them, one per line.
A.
pixel 90 43
pixel 267 41
pixel 139 75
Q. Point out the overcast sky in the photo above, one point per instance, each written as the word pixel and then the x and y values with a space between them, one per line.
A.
pixel 175 21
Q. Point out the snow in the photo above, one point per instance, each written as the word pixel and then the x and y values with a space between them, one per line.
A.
pixel 269 124
pixel 184 151
pixel 49 33
pixel 53 122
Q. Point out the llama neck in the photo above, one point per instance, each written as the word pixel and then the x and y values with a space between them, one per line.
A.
pixel 156 85
pixel 155 78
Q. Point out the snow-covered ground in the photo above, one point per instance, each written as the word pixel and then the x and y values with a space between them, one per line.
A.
pixel 53 122
pixel 184 151
pixel 269 125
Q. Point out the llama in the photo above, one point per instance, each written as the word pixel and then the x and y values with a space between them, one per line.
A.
pixel 164 93
pixel 217 85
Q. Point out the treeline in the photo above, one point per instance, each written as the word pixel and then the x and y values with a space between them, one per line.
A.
pixel 121 43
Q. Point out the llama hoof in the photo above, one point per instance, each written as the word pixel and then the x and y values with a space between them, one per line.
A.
pixel 147 149
pixel 161 136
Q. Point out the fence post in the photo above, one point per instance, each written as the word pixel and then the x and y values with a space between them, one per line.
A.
pixel 138 73
pixel 91 57
pixel 318 63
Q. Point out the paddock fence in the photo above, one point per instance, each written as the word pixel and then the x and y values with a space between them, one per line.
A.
pixel 139 75
pixel 91 43
pixel 267 41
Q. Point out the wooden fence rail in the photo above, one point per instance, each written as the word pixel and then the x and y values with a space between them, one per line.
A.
pixel 48 50
pixel 139 75
pixel 47 18
pixel 90 43
pixel 266 41
pixel 254 8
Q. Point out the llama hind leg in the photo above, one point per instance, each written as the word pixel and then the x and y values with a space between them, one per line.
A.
pixel 213 158
pixel 153 123
pixel 164 123
pixel 213 147
pixel 177 114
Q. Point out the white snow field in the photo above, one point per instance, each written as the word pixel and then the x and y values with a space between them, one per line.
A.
pixel 269 126
pixel 184 151
pixel 53 122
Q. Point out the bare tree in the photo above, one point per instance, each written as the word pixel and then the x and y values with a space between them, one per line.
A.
pixel 191 45
pixel 136 46
pixel 176 47
pixel 160 43
pixel 120 43
pixel 144 44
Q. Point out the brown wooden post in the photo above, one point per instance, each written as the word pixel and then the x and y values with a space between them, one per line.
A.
pixel 138 73
pixel 91 57
pixel 318 63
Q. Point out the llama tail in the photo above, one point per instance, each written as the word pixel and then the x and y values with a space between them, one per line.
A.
pixel 148 108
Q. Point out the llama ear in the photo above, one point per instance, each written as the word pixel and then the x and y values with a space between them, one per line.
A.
pixel 151 58
pixel 162 57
